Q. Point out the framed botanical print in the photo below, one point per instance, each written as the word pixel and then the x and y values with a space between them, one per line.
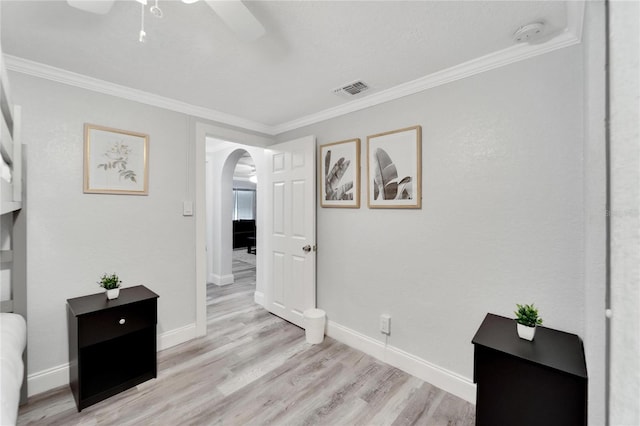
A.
pixel 115 161
pixel 394 175
pixel 340 174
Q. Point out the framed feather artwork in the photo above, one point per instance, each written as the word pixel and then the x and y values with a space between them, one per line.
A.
pixel 394 169
pixel 340 174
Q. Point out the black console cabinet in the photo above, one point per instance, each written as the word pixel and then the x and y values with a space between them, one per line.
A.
pixel 543 382
pixel 242 230
pixel 112 343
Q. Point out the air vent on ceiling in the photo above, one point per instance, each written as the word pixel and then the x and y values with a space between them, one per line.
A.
pixel 351 89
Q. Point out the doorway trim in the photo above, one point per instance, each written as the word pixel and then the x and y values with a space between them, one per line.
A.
pixel 204 130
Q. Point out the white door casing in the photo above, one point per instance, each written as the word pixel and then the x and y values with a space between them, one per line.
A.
pixel 290 220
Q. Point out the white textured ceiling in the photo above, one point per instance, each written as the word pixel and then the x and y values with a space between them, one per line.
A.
pixel 310 48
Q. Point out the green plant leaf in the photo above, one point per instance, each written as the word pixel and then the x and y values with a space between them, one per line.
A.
pixel 527 315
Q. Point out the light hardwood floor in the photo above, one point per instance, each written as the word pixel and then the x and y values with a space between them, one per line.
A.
pixel 254 368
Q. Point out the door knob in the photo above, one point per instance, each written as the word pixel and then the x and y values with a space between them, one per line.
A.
pixel 306 248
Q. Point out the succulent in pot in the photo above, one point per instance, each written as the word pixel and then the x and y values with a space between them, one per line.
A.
pixel 527 319
pixel 111 283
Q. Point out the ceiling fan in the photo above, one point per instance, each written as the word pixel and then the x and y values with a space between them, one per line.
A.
pixel 233 12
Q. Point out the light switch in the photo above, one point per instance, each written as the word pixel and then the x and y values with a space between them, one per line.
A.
pixel 187 208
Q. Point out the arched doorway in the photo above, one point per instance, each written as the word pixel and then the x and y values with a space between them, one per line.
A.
pixel 222 160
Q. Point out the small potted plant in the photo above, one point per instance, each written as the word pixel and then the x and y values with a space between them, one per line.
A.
pixel 527 319
pixel 111 283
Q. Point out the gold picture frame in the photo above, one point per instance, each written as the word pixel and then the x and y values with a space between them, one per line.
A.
pixel 394 169
pixel 115 161
pixel 340 174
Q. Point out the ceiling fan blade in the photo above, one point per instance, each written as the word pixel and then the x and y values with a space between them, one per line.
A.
pixel 237 17
pixel 100 7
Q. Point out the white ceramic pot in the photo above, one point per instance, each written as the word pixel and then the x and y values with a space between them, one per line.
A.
pixel 525 332
pixel 113 293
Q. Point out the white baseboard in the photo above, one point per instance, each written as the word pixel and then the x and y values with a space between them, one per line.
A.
pixel 356 340
pixel 48 379
pixel 258 297
pixel 55 377
pixel 221 280
pixel 177 336
pixel 437 376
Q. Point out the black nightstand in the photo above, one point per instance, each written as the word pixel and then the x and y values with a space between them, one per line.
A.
pixel 112 343
pixel 543 382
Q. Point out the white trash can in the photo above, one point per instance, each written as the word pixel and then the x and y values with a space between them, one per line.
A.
pixel 314 325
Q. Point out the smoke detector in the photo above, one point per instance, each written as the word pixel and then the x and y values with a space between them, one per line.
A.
pixel 529 33
pixel 351 89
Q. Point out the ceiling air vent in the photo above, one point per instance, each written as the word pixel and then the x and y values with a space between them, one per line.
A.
pixel 351 89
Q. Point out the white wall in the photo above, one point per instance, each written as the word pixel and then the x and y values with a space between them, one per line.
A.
pixel 243 184
pixel 73 237
pixel 595 190
pixel 625 212
pixel 502 220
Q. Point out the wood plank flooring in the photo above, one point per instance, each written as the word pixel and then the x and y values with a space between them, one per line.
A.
pixel 254 368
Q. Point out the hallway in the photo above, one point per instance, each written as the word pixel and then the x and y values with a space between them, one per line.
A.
pixel 254 368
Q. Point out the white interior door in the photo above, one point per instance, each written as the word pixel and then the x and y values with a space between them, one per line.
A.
pixel 290 220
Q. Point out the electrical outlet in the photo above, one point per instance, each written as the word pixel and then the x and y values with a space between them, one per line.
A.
pixel 385 324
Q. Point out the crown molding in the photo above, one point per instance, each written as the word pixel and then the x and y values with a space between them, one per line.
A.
pixel 575 18
pixel 59 75
pixel 570 36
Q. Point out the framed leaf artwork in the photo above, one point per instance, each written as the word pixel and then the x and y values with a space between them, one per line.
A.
pixel 394 169
pixel 115 161
pixel 340 174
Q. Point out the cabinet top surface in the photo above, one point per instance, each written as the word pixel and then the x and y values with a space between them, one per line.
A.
pixel 552 348
pixel 97 302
